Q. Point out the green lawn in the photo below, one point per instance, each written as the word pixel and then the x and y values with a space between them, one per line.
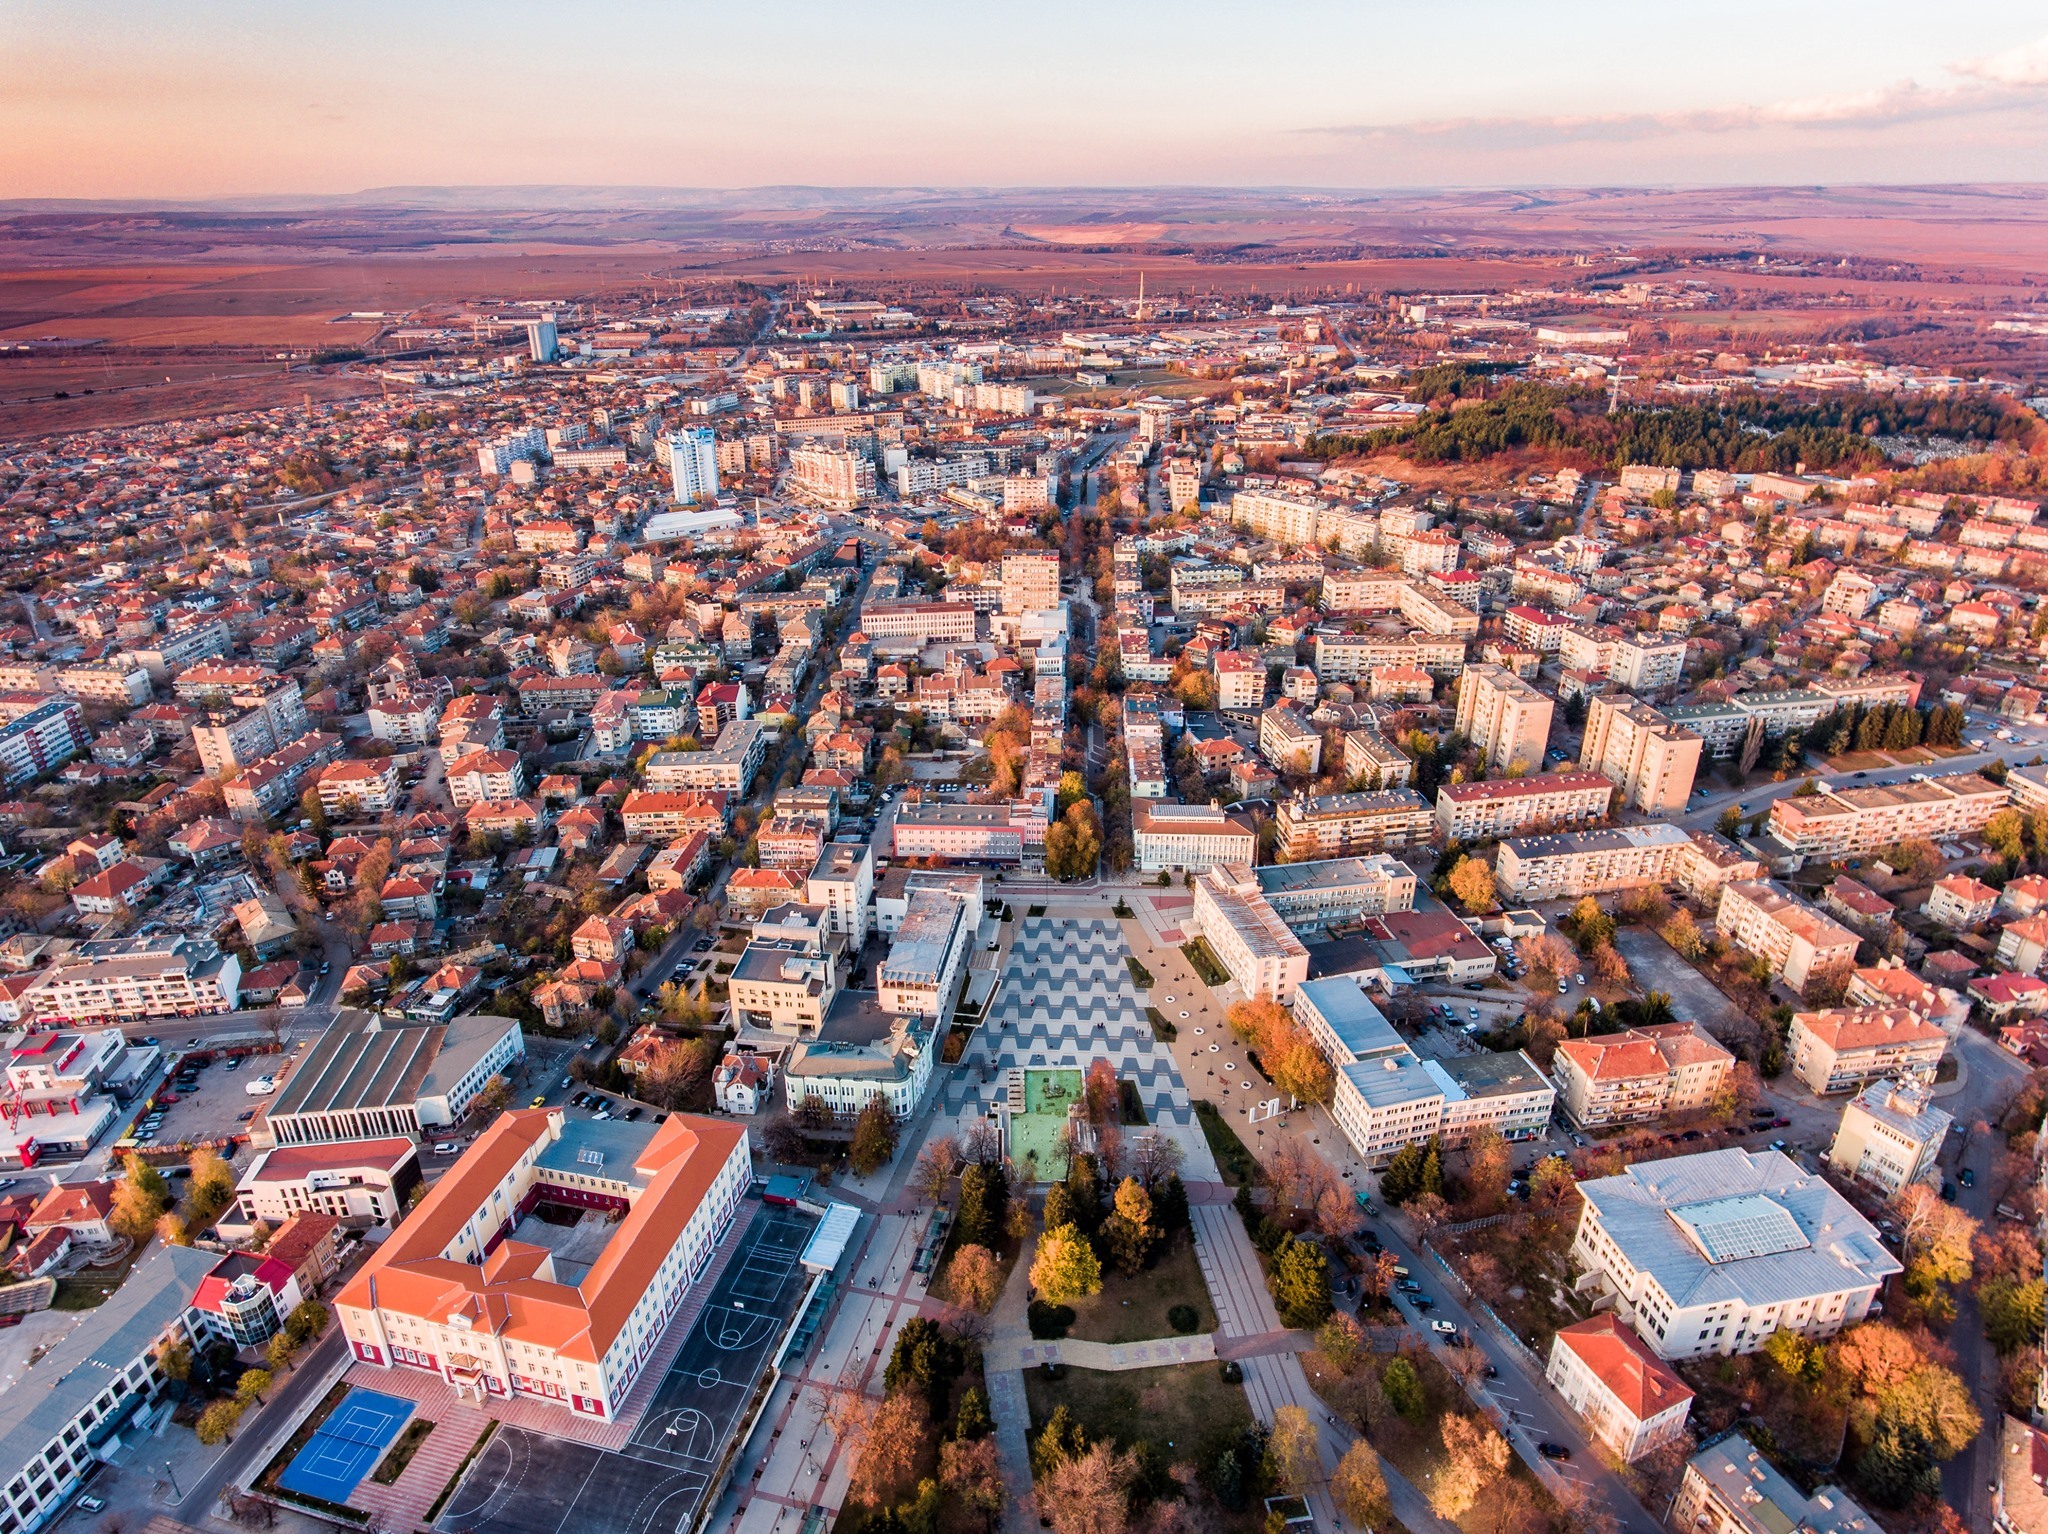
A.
pixel 1184 1410
pixel 1134 1309
pixel 1232 1159
pixel 1205 962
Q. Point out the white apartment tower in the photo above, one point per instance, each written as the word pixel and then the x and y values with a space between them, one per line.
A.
pixel 693 461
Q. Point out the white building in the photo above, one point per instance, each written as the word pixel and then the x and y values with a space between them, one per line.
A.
pixel 1260 951
pixel 1506 718
pixel 1190 837
pixel 693 464
pixel 1890 1134
pixel 1629 1398
pixel 1711 1253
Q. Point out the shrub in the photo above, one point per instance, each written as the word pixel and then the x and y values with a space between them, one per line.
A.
pixel 1233 1372
pixel 1183 1318
pixel 1048 1321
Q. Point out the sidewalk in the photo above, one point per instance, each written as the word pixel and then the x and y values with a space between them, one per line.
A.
pixel 1111 1357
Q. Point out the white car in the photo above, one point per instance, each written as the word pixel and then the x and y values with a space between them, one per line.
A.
pixel 262 1086
pixel 1443 1328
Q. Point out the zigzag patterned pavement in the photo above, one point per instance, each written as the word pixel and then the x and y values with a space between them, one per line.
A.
pixel 1067 999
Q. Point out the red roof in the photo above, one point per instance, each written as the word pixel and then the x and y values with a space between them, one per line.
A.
pixel 1635 1376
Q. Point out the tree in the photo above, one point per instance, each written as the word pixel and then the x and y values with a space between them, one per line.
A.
pixel 492 1099
pixel 1475 1456
pixel 1682 932
pixel 213 1181
pixel 1548 958
pixel 924 1361
pixel 1073 843
pixel 307 1320
pixel 1489 1164
pixel 1090 1493
pixel 1359 1487
pixel 896 1443
pixel 2014 1313
pixel 1300 1284
pixel 1061 1439
pixel 973 1419
pixel 1291 1448
pixel 974 1277
pixel 936 1165
pixel 1340 1340
pixel 1472 882
pixel 1589 925
pixel 176 1362
pixel 1129 1231
pixel 1065 1267
pixel 984 1197
pixel 252 1385
pixel 1154 1158
pixel 874 1137
pixel 1402 1387
pixel 1378 1278
pixel 1551 1184
pixel 217 1423
pixel 139 1198
pixel 971 1472
pixel 280 1351
pixel 1936 1238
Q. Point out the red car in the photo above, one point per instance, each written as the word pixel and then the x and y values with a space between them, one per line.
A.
pixel 165 1099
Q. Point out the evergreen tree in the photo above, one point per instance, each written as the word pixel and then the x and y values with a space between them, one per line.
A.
pixel 1301 1284
pixel 973 1420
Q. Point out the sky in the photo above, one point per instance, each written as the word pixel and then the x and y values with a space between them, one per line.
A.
pixel 217 98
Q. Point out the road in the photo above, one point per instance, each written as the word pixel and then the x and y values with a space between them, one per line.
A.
pixel 254 1442
pixel 1977 1103
pixel 1757 798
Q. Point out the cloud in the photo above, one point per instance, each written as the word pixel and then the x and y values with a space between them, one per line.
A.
pixel 2014 82
pixel 2024 66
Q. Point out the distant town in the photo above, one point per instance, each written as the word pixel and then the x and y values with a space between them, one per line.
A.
pixel 730 905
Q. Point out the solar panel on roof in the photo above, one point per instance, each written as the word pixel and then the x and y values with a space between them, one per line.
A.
pixel 1749 1225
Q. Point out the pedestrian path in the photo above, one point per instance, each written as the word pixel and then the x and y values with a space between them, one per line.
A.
pixel 1112 1357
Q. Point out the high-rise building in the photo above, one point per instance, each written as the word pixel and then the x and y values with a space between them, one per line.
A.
pixel 693 461
pixel 1506 718
pixel 1650 759
pixel 541 344
pixel 1031 582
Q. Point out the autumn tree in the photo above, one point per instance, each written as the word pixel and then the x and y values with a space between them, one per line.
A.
pixel 974 1277
pixel 1090 1493
pixel 1475 1456
pixel 1682 932
pixel 217 1423
pixel 971 1473
pixel 1073 843
pixel 1936 1239
pixel 1300 1282
pixel 936 1165
pixel 1359 1487
pixel 1065 1267
pixel 1471 880
pixel 140 1198
pixel 1489 1164
pixel 897 1441
pixel 1340 1340
pixel 1291 1455
pixel 1551 1185
pixel 1548 959
pixel 1129 1232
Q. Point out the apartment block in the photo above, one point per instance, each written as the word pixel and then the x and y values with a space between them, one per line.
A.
pixel 1649 759
pixel 1339 825
pixel 1844 1049
pixel 1504 806
pixel 1289 741
pixel 1260 951
pixel 1387 1096
pixel 1798 942
pixel 1640 1074
pixel 1189 837
pixel 1890 1134
pixel 1729 1488
pixel 1630 1399
pixel 1574 863
pixel 1850 822
pixel 1648 662
pixel 1031 581
pixel 1506 718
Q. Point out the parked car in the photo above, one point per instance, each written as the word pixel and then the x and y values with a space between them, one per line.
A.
pixel 1475 985
pixel 1967 1178
pixel 1422 1302
pixel 1777 1145
pixel 1553 1451
pixel 88 1504
pixel 1443 1328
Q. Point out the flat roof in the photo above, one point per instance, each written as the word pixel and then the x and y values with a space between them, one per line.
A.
pixel 363 1060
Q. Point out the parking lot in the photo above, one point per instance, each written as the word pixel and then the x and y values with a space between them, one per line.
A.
pixel 218 1103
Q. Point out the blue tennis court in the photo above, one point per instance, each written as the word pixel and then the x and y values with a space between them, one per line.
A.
pixel 345 1447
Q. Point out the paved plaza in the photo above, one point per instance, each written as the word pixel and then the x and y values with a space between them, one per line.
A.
pixel 1067 999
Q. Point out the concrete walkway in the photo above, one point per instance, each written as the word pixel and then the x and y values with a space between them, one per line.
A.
pixel 1111 1357
pixel 1009 1333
